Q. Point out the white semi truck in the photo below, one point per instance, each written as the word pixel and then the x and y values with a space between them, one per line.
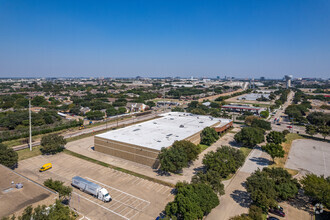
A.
pixel 91 188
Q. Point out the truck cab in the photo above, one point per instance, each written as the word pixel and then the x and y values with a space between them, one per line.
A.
pixel 104 195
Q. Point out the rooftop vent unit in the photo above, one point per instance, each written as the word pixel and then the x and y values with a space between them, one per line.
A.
pixel 181 126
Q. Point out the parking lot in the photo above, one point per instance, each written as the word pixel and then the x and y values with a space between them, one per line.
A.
pixel 309 156
pixel 132 197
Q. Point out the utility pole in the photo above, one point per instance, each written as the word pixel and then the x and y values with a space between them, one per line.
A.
pixel 30 124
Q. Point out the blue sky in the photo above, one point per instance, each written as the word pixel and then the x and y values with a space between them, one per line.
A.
pixel 240 38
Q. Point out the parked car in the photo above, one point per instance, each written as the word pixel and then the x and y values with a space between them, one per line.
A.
pixel 276 211
pixel 289 126
pixel 272 218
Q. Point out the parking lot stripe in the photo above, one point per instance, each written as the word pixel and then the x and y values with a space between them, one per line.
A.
pixel 118 190
pixel 101 206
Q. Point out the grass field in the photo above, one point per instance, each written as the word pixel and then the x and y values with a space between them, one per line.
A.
pixel 245 150
pixel 280 162
pixel 26 153
pixel 203 147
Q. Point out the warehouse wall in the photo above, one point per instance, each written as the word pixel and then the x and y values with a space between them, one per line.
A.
pixel 127 151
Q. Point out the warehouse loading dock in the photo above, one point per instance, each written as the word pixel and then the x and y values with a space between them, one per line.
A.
pixel 142 142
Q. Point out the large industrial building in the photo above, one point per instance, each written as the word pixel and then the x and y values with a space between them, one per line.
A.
pixel 142 142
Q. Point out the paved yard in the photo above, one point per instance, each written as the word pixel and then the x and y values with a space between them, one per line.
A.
pixel 133 197
pixel 13 200
pixel 309 156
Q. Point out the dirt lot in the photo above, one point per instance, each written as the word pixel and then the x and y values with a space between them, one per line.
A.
pixel 133 197
pixel 309 156
pixel 12 199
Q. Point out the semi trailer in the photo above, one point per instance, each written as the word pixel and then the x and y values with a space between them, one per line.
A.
pixel 91 188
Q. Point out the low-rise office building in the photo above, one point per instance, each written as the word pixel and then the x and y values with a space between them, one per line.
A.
pixel 243 108
pixel 143 142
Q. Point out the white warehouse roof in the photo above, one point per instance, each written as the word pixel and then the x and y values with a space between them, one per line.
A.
pixel 162 132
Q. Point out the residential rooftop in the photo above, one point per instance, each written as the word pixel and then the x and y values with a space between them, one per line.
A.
pixel 162 132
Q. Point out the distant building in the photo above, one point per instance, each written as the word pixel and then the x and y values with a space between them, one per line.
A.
pixel 243 108
pixel 288 79
pixel 136 107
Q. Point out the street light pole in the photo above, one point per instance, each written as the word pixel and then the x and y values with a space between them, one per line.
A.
pixel 30 125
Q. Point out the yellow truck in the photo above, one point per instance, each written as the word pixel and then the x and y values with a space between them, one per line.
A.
pixel 45 167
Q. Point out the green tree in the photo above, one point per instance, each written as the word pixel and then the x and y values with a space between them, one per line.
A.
pixel 52 144
pixel 150 104
pixel 324 130
pixel 8 157
pixel 177 109
pixel 39 101
pixel 172 159
pixel 319 118
pixel 190 149
pixel 192 201
pixel 257 123
pixel 211 178
pixel 270 185
pixel 249 119
pixel 111 111
pixel 56 211
pixel 63 191
pixel 311 130
pixel 225 160
pixel 250 137
pixel 274 150
pixel 318 188
pixel 264 114
pixel 209 136
pixel 275 137
pixel 95 115
pixel 255 213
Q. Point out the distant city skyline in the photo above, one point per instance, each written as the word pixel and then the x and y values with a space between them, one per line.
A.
pixel 242 39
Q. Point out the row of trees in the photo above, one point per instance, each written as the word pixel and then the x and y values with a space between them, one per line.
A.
pixel 20 119
pixel 197 199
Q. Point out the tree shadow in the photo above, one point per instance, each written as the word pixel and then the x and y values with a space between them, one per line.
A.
pixel 199 169
pixel 260 161
pixel 234 144
pixel 301 202
pixel 162 173
pixel 241 197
